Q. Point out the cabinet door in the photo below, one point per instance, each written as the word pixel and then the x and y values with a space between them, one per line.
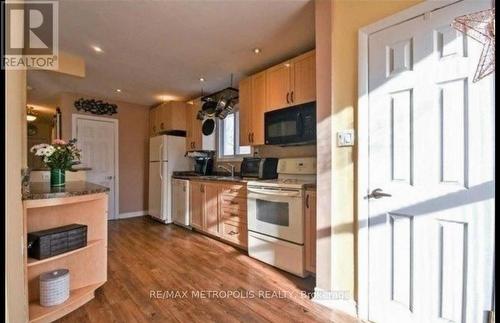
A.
pixel 246 113
pixel 310 243
pixel 196 202
pixel 193 129
pixel 304 78
pixel 258 108
pixel 211 210
pixel 278 86
pixel 153 116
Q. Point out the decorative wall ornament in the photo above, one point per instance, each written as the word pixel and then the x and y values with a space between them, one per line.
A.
pixel 480 26
pixel 95 106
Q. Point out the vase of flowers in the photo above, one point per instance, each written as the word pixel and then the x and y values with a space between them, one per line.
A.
pixel 59 157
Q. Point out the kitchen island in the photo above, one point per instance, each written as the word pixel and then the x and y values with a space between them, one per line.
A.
pixel 47 207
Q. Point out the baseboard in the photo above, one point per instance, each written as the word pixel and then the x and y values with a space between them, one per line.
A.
pixel 332 300
pixel 132 214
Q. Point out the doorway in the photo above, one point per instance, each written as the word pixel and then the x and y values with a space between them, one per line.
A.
pixel 97 137
pixel 426 170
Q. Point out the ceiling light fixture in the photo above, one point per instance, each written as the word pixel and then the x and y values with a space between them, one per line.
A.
pixel 31 115
pixel 118 90
pixel 256 50
pixel 202 79
pixel 97 49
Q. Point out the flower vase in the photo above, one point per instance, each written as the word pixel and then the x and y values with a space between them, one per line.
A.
pixel 57 177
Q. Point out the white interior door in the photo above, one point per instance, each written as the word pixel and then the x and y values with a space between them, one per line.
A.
pixel 431 147
pixel 96 139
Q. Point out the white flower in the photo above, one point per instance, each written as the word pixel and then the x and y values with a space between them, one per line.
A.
pixel 49 150
pixel 40 152
pixel 37 147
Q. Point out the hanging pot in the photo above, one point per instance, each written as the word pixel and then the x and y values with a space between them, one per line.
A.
pixel 208 127
pixel 209 107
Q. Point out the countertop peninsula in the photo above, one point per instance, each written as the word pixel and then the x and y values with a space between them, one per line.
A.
pixel 43 190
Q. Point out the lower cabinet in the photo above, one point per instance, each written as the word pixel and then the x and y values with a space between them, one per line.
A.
pixel 220 209
pixel 310 221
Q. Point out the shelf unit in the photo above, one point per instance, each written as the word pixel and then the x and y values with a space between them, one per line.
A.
pixel 87 265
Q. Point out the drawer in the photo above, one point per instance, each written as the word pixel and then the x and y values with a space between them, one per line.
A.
pixel 233 202
pixel 236 215
pixel 234 232
pixel 234 190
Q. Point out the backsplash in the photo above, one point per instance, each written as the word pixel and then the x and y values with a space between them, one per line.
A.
pixel 275 151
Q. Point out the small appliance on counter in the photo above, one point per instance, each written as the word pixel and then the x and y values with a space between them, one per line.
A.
pixel 203 162
pixel 259 168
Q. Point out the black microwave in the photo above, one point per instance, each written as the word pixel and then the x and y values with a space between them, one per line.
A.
pixel 291 126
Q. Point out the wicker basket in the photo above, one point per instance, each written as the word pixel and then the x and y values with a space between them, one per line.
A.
pixel 54 287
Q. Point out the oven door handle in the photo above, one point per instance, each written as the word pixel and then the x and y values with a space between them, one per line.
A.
pixel 274 192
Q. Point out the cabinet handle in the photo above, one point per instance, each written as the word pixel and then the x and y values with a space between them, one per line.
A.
pixel 202 189
pixel 233 202
pixel 252 137
pixel 233 214
pixel 249 137
pixel 291 96
pixel 287 97
pixel 232 233
pixel 307 201
pixel 161 125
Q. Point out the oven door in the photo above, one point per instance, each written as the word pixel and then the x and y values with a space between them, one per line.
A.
pixel 276 212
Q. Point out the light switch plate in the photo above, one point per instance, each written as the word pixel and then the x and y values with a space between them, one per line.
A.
pixel 345 138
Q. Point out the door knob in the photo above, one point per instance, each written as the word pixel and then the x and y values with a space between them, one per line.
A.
pixel 109 177
pixel 378 193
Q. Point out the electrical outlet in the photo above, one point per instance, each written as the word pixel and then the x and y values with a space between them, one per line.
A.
pixel 345 138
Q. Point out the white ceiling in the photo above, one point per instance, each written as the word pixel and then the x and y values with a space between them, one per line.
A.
pixel 154 48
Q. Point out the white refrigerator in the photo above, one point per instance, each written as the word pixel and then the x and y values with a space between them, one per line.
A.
pixel 166 155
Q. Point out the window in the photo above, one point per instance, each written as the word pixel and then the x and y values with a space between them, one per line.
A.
pixel 229 139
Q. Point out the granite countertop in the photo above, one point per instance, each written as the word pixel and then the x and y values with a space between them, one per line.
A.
pixel 216 177
pixel 43 190
pixel 46 169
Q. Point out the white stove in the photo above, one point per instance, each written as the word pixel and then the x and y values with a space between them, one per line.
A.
pixel 276 215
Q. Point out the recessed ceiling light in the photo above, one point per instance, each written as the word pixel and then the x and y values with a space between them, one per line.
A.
pixel 118 90
pixel 256 50
pixel 287 64
pixel 202 79
pixel 97 49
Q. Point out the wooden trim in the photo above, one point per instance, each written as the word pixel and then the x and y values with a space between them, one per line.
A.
pixel 76 116
pixel 363 137
pixel 31 204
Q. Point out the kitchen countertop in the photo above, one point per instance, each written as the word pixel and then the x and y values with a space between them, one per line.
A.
pixel 46 169
pixel 214 178
pixel 43 190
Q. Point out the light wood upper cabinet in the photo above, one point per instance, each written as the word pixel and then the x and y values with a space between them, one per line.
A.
pixel 310 219
pixel 153 122
pixel 278 86
pixel 252 97
pixel 245 108
pixel 167 116
pixel 292 82
pixel 193 128
pixel 259 82
pixel 304 78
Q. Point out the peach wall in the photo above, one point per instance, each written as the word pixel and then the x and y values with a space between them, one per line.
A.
pixel 336 189
pixel 133 124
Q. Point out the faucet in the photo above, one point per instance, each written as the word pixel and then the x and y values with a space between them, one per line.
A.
pixel 227 170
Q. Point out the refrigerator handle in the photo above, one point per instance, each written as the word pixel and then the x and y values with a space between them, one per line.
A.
pixel 161 161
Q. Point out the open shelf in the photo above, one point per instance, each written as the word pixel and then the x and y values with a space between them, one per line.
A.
pixel 77 298
pixel 90 244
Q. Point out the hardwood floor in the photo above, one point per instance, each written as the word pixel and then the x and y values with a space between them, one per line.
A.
pixel 145 256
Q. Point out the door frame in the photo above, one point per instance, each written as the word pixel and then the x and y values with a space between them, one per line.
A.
pixel 362 167
pixel 74 118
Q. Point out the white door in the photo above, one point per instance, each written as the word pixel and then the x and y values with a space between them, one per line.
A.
pixel 96 139
pixel 431 146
